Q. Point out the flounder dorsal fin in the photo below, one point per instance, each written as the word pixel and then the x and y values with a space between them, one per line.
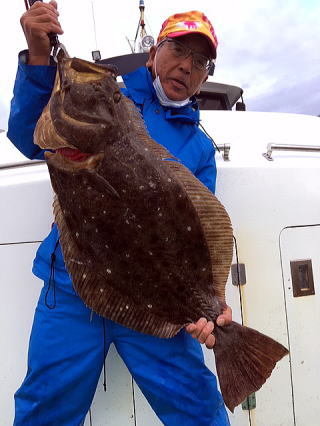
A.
pixel 214 219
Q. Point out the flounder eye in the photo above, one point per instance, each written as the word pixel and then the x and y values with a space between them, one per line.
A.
pixel 116 97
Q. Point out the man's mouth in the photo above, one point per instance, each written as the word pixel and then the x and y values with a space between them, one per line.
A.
pixel 179 83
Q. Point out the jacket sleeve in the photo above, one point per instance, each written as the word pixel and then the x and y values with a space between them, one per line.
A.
pixel 207 171
pixel 32 90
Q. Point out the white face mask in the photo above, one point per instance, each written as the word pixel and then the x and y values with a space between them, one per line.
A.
pixel 161 95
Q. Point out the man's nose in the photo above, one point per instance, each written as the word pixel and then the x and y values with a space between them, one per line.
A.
pixel 186 64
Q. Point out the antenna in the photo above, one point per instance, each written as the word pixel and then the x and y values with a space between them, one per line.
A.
pixel 96 55
pixel 141 22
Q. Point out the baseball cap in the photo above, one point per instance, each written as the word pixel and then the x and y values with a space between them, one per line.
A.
pixel 193 22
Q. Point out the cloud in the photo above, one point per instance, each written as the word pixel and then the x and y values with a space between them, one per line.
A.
pixel 270 48
pixel 273 55
pixel 302 98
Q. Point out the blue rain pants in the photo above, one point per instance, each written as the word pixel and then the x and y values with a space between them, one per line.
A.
pixel 66 356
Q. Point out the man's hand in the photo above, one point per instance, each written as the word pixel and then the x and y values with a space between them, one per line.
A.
pixel 202 329
pixel 40 20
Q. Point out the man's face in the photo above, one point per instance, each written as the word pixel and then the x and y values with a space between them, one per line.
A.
pixel 180 79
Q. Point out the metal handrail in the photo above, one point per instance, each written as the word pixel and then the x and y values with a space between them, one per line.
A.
pixel 225 148
pixel 282 147
pixel 22 164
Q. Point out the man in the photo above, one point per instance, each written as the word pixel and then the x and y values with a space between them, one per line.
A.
pixel 68 344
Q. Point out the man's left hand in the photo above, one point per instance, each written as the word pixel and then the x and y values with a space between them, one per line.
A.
pixel 202 329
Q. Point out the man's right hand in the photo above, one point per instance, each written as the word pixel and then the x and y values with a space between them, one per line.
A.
pixel 40 20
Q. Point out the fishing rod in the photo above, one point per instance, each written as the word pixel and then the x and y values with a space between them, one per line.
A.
pixel 54 40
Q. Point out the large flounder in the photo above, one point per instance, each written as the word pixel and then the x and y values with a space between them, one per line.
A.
pixel 145 242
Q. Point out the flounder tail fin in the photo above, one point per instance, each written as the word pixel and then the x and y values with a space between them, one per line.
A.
pixel 245 359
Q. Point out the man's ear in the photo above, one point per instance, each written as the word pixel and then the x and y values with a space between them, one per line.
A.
pixel 152 54
pixel 199 89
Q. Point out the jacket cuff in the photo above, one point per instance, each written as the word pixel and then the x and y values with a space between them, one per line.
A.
pixel 42 75
pixel 24 58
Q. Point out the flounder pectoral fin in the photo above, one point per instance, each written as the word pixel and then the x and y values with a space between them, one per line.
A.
pixel 103 185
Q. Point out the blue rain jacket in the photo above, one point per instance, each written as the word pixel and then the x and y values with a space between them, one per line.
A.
pixel 175 128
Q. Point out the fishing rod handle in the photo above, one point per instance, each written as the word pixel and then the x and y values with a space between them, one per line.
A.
pixel 54 41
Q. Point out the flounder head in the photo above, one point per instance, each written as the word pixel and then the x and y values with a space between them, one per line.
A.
pixel 83 113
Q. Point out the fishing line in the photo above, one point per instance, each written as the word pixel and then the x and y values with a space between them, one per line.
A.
pixel 104 356
pixel 90 417
pixel 240 295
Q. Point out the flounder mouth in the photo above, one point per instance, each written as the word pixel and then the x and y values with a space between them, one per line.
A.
pixel 73 154
pixel 72 158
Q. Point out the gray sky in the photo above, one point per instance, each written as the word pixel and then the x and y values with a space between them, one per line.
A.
pixel 268 47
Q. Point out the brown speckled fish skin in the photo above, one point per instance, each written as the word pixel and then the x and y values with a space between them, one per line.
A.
pixel 145 242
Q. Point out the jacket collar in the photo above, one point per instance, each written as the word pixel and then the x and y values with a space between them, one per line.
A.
pixel 140 87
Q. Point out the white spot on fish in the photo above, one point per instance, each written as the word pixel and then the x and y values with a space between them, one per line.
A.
pixel 160 214
pixel 77 234
pixel 89 187
pixel 139 226
pixel 204 269
pixel 127 306
pixel 141 187
pixel 149 306
pixel 104 212
pixel 120 309
pixel 101 290
pixel 185 261
pixel 109 271
pixel 146 149
pixel 180 195
pixel 150 252
pixel 167 239
pixel 127 255
pixel 159 208
pixel 102 195
pixel 97 230
pixel 169 180
pixel 73 192
pixel 127 176
pixel 189 228
pixel 152 184
pixel 106 246
pixel 124 191
pixel 76 261
pixel 92 217
pixel 84 276
pixel 127 222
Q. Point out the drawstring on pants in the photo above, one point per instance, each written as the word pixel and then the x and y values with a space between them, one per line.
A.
pixel 52 280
